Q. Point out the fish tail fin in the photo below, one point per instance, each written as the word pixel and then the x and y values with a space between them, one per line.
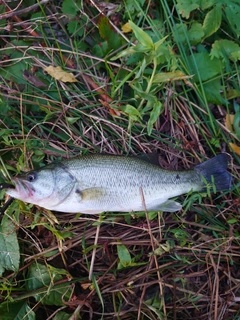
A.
pixel 214 171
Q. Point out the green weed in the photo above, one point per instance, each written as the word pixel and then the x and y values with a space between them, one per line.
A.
pixel 151 76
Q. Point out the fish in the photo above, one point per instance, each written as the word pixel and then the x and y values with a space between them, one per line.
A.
pixel 97 183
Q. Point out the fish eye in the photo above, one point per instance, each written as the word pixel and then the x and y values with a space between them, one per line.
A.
pixel 31 176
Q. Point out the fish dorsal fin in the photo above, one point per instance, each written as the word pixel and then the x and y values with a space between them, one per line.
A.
pixel 90 193
pixel 149 157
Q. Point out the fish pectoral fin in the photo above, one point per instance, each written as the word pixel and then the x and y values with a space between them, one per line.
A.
pixel 90 193
pixel 168 206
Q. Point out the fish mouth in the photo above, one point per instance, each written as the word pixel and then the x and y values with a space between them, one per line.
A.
pixel 23 188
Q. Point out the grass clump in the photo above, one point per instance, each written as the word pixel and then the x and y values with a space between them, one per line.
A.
pixel 135 77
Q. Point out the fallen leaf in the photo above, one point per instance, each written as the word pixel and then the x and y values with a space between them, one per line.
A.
pixel 235 148
pixel 59 74
pixel 86 285
pixel 232 94
pixel 229 122
pixel 112 111
pixel 126 28
pixel 33 79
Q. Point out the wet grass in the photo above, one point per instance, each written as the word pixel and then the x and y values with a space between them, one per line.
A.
pixel 118 266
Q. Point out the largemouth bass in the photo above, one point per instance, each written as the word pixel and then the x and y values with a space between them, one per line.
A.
pixel 98 183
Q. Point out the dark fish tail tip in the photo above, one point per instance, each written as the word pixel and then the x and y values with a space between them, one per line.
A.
pixel 215 171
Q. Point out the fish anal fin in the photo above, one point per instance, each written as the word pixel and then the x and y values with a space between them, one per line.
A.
pixel 168 206
pixel 91 211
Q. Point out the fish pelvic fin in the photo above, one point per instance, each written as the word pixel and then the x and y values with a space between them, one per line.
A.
pixel 214 172
pixel 167 206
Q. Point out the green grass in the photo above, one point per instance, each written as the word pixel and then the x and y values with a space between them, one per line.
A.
pixel 165 87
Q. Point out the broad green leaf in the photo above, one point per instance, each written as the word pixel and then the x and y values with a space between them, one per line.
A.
pixel 180 33
pixel 62 316
pixel 233 15
pixel 74 27
pixel 155 113
pixel 55 295
pixel 152 215
pixel 4 132
pixel 38 276
pixel 45 277
pixel 142 67
pixel 1 270
pixel 72 120
pixel 16 311
pixel 124 53
pixel 212 21
pixel 165 54
pixel 71 7
pixel 124 255
pixel 232 221
pixel 14 70
pixel 212 90
pixel 108 33
pixel 132 112
pixel 78 28
pixel 180 235
pixel 170 76
pixel 195 33
pixel 163 248
pixel 203 67
pixel 135 53
pixel 49 114
pixel 185 7
pixel 233 93
pixel 159 43
pixel 9 248
pixel 162 52
pixel 205 4
pixel 3 22
pixel 101 49
pixel 235 55
pixel 140 92
pixel 134 58
pixel 142 36
pixel 133 6
pixel 149 105
pixel 141 48
pixel 225 49
pixel 236 124
pixel 40 17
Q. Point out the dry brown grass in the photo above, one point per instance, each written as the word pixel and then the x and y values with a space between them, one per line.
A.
pixel 184 265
